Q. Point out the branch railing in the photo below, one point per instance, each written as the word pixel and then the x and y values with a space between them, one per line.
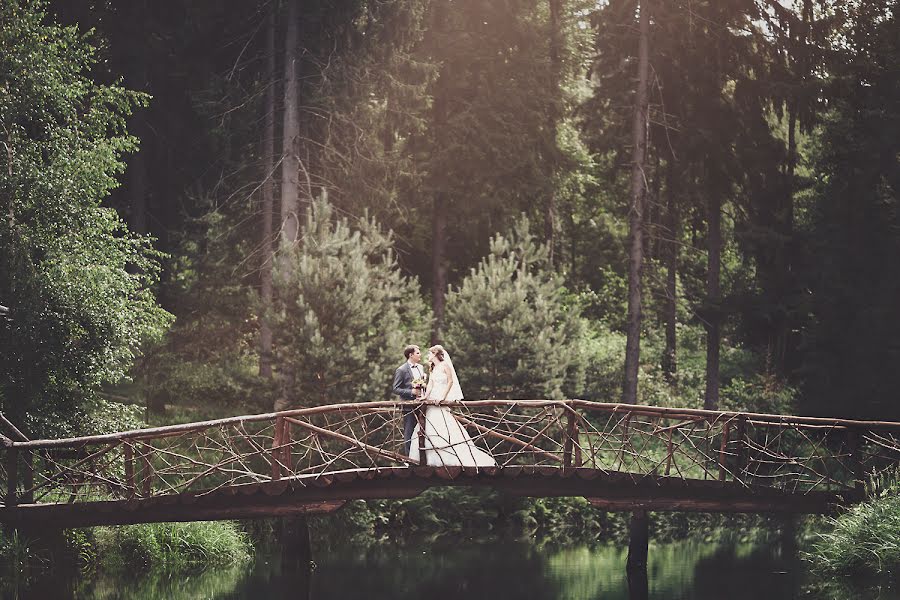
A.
pixel 795 455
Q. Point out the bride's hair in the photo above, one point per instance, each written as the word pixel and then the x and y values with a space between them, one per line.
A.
pixel 438 352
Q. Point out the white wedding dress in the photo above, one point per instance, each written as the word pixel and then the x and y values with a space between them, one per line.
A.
pixel 447 443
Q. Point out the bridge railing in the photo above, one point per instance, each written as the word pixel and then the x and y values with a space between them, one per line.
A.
pixel 311 446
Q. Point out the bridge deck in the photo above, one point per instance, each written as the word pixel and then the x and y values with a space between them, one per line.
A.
pixel 316 494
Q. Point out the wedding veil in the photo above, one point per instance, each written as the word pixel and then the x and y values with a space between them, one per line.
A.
pixel 456 389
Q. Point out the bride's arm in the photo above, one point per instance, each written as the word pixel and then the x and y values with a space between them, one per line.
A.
pixel 451 380
pixel 428 386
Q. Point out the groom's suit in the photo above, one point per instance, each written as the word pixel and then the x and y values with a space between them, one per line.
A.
pixel 403 379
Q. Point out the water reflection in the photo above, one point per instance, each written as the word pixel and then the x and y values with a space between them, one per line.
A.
pixel 472 569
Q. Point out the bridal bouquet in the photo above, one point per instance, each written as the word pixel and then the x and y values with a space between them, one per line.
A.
pixel 419 383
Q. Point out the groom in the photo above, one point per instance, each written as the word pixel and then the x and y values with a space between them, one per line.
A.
pixel 403 387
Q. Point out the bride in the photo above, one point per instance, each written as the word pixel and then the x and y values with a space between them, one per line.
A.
pixel 447 443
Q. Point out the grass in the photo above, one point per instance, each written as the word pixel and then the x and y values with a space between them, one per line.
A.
pixel 863 541
pixel 14 550
pixel 173 545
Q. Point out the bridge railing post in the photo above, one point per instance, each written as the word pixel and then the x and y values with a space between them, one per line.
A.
pixel 571 445
pixel 723 451
pixel 12 476
pixel 277 441
pixel 130 489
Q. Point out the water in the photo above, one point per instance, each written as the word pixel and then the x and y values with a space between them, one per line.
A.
pixel 471 569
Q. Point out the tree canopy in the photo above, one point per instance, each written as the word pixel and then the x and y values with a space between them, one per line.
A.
pixel 78 284
pixel 768 189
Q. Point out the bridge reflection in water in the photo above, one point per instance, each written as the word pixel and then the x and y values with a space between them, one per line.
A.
pixel 313 460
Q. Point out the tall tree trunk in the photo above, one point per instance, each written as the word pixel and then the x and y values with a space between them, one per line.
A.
pixel 636 214
pixel 438 265
pixel 639 532
pixel 552 117
pixel 670 293
pixel 290 166
pixel 713 316
pixel 440 198
pixel 268 160
pixel 290 169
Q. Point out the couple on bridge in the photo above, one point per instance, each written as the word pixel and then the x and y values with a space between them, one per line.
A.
pixel 447 443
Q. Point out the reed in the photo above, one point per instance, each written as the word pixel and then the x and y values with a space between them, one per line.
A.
pixel 173 545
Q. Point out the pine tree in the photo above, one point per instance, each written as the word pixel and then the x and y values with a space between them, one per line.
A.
pixel 343 310
pixel 508 326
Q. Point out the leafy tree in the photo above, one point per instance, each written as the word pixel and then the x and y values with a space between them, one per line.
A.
pixel 77 282
pixel 343 311
pixel 509 325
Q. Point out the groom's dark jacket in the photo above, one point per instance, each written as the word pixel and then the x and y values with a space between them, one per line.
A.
pixel 403 379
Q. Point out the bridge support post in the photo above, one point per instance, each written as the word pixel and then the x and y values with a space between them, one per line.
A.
pixel 638 540
pixel 638 586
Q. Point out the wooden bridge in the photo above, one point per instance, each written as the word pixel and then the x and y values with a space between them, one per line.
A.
pixel 313 460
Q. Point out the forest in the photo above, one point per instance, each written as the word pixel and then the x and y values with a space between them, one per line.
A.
pixel 232 206
pixel 212 209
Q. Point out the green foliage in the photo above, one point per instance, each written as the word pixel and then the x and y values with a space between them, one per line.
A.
pixel 562 519
pixel 491 146
pixel 508 325
pixel 107 416
pixel 758 393
pixel 602 353
pixel 77 282
pixel 173 545
pixel 865 540
pixel 344 311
